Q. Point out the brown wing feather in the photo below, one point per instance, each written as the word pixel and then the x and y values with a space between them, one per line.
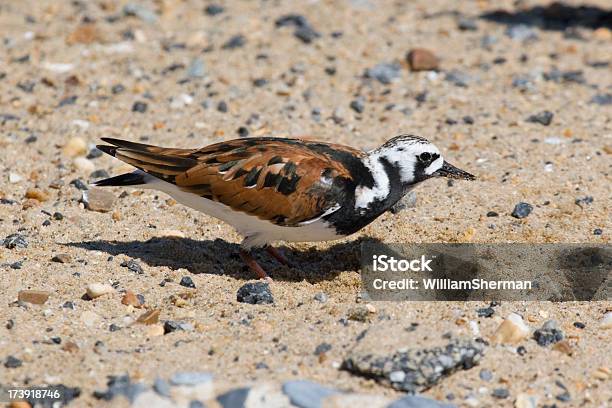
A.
pixel 285 181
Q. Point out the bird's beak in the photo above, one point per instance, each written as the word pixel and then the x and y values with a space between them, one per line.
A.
pixel 450 171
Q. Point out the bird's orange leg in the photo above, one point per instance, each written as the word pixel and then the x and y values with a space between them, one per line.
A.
pixel 248 259
pixel 277 255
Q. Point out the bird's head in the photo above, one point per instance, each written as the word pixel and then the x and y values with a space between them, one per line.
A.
pixel 417 159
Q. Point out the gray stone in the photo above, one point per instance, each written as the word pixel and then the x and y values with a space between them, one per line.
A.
pixel 417 401
pixel 602 99
pixel 521 32
pixel 196 68
pixel 190 378
pixel 15 241
pixel 522 210
pixel 234 398
pixel 162 387
pixel 255 293
pixel 307 394
pixel 385 73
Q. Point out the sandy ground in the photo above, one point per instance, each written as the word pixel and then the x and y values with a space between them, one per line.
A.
pixel 515 160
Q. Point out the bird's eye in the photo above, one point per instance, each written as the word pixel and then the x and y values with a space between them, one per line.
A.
pixel 425 157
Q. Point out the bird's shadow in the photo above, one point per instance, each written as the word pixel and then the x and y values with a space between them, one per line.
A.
pixel 219 257
pixel 556 16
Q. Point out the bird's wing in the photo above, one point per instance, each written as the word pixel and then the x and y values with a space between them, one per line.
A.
pixel 285 181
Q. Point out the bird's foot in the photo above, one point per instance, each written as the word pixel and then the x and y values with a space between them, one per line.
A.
pixel 276 254
pixel 248 259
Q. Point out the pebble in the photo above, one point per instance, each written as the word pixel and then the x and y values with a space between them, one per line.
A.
pixel 98 200
pixel 149 317
pixel 602 99
pixel 79 184
pixel 606 321
pixel 140 107
pixel 307 394
pixel 142 12
pixel 255 293
pixel 543 118
pixel 171 326
pixel 214 9
pixel 521 32
pixel 120 385
pixel 76 146
pixel 485 312
pixel 321 297
pixel 422 367
pixel 322 348
pixel 191 378
pixel 522 210
pixel 83 165
pixel 133 266
pixel 512 330
pixel 187 282
pixel 421 59
pixel 196 68
pixel 95 290
pixel 359 313
pixel 15 241
pixel 548 334
pixel 15 178
pixel 500 393
pixel 36 297
pixel 466 24
pixel 12 362
pixel 485 375
pixel 234 42
pixel 303 30
pixel 357 105
pixel 418 401
pixel 62 258
pixel 459 78
pixel 385 73
pixel 130 299
pixel 524 400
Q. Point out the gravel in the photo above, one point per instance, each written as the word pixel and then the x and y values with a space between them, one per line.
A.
pixel 15 241
pixel 543 118
pixel 522 210
pixel 422 367
pixel 255 293
pixel 385 73
pixel 187 282
pixel 548 334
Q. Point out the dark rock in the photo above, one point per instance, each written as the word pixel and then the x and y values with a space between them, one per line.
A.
pixel 548 334
pixel 243 131
pixel 113 327
pixel 120 385
pixel 303 30
pixel 260 82
pixel 459 78
pixel 468 120
pixel 16 265
pixel 255 293
pixel 501 393
pixel 234 398
pixel 419 401
pixel 12 362
pixel 543 118
pixel 236 41
pixel 322 348
pixel 485 375
pixel 26 86
pixel 98 174
pixel 597 231
pixel 140 107
pixel 587 200
pixel 357 105
pixel 69 100
pixel 466 24
pixel 306 34
pixel 565 76
pixel 187 282
pixel 602 99
pixel 15 241
pixel 222 107
pixel 422 368
pixel 94 153
pixel 307 394
pixel 66 395
pixel 579 325
pixel 485 312
pixel 117 89
pixel 79 184
pixel 133 266
pixel 214 9
pixel 521 350
pixel 492 214
pixel 522 210
pixel 385 73
pixel 564 397
pixel 69 305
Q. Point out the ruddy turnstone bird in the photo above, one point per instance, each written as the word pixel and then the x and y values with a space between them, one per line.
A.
pixel 277 189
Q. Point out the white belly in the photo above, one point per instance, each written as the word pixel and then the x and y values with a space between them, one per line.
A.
pixel 257 232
